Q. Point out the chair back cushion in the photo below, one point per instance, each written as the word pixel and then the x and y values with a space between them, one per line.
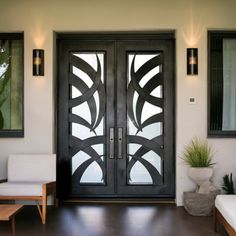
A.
pixel 32 167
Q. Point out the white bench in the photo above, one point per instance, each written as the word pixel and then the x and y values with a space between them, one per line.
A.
pixel 30 177
pixel 225 213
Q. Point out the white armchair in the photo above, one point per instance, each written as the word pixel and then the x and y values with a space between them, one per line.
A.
pixel 30 177
pixel 224 213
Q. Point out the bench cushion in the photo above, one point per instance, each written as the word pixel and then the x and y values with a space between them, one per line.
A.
pixel 226 205
pixel 35 167
pixel 21 189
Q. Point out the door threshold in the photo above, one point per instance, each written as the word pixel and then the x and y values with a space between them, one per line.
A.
pixel 120 201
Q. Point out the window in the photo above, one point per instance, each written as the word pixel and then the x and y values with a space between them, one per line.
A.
pixel 222 83
pixel 11 84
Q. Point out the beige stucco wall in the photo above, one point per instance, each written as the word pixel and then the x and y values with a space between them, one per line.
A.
pixel 190 18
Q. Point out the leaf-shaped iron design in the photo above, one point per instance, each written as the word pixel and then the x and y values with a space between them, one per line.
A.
pixel 135 114
pixel 87 95
pixel 76 145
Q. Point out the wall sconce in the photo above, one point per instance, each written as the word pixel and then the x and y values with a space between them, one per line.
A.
pixel 192 61
pixel 38 62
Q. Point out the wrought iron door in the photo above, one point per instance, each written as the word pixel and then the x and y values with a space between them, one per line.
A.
pixel 115 118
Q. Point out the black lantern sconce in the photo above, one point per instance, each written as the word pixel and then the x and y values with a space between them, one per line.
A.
pixel 192 61
pixel 38 62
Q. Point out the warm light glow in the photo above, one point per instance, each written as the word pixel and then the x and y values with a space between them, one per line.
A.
pixel 37 61
pixel 39 40
pixel 38 35
pixel 194 28
pixel 192 61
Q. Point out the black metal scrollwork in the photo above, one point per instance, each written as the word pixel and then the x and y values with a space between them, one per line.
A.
pixel 144 95
pixel 87 95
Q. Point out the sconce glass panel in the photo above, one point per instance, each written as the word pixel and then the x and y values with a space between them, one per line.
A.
pixel 38 62
pixel 11 84
pixel 192 61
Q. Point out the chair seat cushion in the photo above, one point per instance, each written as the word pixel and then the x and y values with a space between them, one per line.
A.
pixel 31 167
pixel 21 189
pixel 226 205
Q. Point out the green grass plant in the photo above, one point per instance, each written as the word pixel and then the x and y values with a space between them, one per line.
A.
pixel 198 153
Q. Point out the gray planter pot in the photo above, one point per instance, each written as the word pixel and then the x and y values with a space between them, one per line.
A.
pixel 198 204
pixel 200 174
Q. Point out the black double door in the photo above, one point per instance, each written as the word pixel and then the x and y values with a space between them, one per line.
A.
pixel 115 116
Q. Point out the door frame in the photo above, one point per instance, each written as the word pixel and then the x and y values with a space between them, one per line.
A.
pixel 106 36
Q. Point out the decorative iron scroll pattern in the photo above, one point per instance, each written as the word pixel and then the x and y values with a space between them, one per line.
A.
pixel 137 96
pixel 87 92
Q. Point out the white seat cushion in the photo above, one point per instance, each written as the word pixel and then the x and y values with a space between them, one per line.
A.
pixel 226 204
pixel 32 167
pixel 21 189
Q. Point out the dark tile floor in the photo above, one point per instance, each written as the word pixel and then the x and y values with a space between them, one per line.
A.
pixel 111 220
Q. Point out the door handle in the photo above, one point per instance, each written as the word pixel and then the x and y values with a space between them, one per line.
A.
pixel 111 143
pixel 120 143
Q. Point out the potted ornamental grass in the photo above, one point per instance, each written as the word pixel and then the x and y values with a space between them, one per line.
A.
pixel 198 155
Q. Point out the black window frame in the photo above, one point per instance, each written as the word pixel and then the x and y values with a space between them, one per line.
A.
pixel 15 132
pixel 215 64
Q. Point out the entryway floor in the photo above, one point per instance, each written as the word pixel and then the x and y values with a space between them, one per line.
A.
pixel 93 219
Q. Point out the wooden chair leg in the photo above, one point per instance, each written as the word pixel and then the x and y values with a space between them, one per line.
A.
pixel 39 209
pixel 44 209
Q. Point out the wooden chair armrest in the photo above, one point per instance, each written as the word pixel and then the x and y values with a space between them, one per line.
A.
pixel 3 180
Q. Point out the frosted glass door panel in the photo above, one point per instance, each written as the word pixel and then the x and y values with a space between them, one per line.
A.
pixel 87 117
pixel 144 119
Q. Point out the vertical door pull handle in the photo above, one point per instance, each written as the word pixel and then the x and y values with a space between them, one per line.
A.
pixel 111 143
pixel 120 143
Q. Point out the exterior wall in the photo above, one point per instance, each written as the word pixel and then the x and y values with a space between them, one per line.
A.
pixel 191 20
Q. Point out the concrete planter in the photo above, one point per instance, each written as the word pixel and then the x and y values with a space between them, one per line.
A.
pixel 198 204
pixel 201 176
